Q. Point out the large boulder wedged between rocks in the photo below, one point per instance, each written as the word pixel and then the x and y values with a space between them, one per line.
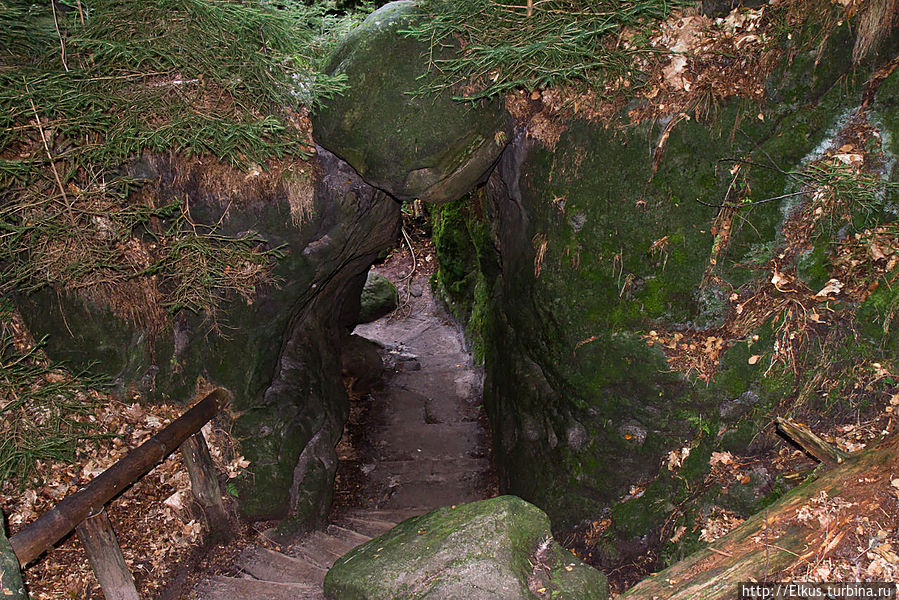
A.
pixel 278 352
pixel 413 146
pixel 500 548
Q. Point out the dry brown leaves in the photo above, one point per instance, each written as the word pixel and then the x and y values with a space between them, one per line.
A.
pixel 156 522
pixel 701 61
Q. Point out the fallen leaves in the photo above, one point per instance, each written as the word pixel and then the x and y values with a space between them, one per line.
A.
pixel 721 458
pixel 823 509
pixel 676 458
pixel 153 519
pixel 717 524
pixel 831 288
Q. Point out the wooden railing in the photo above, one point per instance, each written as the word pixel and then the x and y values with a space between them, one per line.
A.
pixel 85 510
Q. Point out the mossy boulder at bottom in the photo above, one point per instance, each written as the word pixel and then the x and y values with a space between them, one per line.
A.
pixel 412 146
pixel 379 298
pixel 486 549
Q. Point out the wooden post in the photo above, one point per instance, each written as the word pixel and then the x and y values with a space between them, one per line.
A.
pixel 103 552
pixel 11 586
pixel 204 485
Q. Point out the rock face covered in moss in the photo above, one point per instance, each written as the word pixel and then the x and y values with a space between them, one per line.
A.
pixel 279 355
pixel 379 298
pixel 489 549
pixel 413 146
pixel 577 260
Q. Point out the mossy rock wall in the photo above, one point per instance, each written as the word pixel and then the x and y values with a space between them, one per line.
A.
pixel 279 355
pixel 591 246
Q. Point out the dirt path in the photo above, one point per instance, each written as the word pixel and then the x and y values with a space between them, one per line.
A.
pixel 428 440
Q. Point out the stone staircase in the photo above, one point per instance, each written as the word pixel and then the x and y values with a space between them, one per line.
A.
pixel 298 571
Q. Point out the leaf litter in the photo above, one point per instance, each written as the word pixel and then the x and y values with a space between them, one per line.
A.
pixel 156 522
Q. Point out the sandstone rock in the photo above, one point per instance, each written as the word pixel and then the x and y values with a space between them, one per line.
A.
pixel 361 362
pixel 413 146
pixel 492 549
pixel 278 354
pixel 379 298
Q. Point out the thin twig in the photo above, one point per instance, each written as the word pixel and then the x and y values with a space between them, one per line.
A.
pixel 411 251
pixel 754 202
pixel 62 189
pixel 62 44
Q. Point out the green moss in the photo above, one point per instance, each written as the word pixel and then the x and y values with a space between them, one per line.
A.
pixel 745 499
pixel 814 265
pixel 875 317
pixel 571 579
pixel 462 243
pixel 480 549
pixel 592 248
pixel 439 148
pixel 640 516
pixel 738 439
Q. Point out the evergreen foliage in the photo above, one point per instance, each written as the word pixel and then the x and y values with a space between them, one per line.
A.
pixel 536 43
pixel 88 85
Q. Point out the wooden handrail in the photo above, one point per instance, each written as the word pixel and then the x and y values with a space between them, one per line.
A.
pixel 90 500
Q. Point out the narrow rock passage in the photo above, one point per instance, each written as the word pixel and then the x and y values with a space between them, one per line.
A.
pixel 429 448
pixel 430 442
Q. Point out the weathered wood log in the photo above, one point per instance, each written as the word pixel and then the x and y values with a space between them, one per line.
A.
pixel 204 485
pixel 11 586
pixel 103 551
pixel 807 523
pixel 51 526
pixel 811 443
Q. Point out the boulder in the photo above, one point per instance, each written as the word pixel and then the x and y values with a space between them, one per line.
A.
pixel 500 548
pixel 278 352
pixel 379 298
pixel 11 586
pixel 411 145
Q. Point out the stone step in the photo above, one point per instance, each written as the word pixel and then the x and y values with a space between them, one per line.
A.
pixel 372 527
pixel 269 565
pixel 388 515
pixel 234 588
pixel 338 546
pixel 348 535
pixel 430 495
pixel 438 441
pixel 424 468
pixel 318 551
